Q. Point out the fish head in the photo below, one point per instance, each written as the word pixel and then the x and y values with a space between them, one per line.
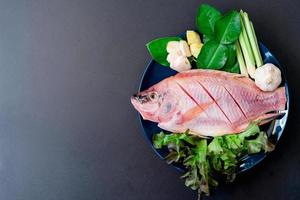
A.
pixel 147 103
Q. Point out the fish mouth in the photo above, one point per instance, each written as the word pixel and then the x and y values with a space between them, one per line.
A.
pixel 135 101
pixel 135 96
pixel 140 98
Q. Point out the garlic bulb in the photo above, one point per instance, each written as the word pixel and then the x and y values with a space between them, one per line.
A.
pixel 178 53
pixel 181 63
pixel 173 46
pixel 184 48
pixel 267 77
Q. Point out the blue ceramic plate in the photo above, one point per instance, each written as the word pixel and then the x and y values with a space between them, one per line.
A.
pixel 155 72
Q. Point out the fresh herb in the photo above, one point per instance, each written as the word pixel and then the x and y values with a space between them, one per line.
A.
pixel 213 55
pixel 250 53
pixel 234 68
pixel 206 18
pixel 219 35
pixel 240 59
pixel 158 49
pixel 228 28
pixel 231 58
pixel 203 158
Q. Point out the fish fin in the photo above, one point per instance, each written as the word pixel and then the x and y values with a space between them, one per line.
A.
pixel 170 126
pixel 199 135
pixel 267 118
pixel 193 112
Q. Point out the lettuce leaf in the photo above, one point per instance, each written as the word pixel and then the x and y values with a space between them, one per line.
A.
pixel 205 157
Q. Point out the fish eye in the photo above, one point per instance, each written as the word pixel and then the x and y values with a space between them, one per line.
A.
pixel 153 96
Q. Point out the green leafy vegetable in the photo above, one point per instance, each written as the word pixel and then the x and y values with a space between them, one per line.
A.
pixel 219 33
pixel 158 49
pixel 228 28
pixel 206 18
pixel 207 38
pixel 202 157
pixel 231 56
pixel 212 56
pixel 235 68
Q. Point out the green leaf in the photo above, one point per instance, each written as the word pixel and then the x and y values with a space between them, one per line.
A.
pixel 251 130
pixel 212 56
pixel 201 150
pixel 158 140
pixel 216 162
pixel 215 146
pixel 207 38
pixel 228 28
pixel 202 164
pixel 158 49
pixel 233 142
pixel 231 56
pixel 174 156
pixel 229 159
pixel 259 144
pixel 206 18
pixel 235 68
pixel 220 156
pixel 192 179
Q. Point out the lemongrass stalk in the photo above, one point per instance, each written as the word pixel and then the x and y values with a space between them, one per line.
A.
pixel 256 43
pixel 251 39
pixel 248 59
pixel 252 29
pixel 246 39
pixel 240 59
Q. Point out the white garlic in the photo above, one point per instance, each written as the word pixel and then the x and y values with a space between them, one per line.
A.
pixel 181 63
pixel 267 77
pixel 184 48
pixel 173 46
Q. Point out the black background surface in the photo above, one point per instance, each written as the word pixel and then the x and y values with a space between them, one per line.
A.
pixel 67 129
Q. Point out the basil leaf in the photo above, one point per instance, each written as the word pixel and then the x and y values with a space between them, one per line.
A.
pixel 158 49
pixel 228 28
pixel 206 18
pixel 212 56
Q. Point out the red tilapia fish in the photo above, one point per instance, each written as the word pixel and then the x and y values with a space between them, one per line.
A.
pixel 208 103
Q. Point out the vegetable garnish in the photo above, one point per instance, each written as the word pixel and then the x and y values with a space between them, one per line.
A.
pixel 179 51
pixel 220 33
pixel 267 77
pixel 206 158
pixel 158 49
pixel 193 39
pixel 249 57
pixel 217 52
